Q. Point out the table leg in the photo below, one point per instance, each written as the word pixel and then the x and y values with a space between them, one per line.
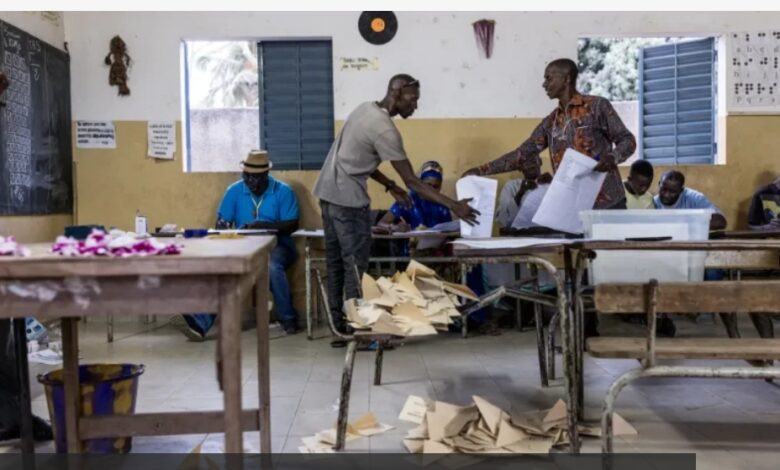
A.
pixel 464 327
pixel 70 365
pixel 263 359
pixel 23 375
pixel 568 344
pixel 307 268
pixel 540 340
pixel 230 343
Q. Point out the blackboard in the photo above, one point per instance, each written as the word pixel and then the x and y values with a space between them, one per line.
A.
pixel 35 127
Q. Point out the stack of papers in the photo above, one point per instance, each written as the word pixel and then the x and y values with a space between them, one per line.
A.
pixel 412 303
pixel 483 428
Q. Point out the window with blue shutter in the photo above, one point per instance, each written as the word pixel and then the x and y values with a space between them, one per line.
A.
pixel 296 102
pixel 677 103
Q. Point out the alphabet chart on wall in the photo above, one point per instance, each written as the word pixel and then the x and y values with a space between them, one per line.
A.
pixel 754 72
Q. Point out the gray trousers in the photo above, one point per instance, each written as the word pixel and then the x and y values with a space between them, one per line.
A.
pixel 9 382
pixel 347 247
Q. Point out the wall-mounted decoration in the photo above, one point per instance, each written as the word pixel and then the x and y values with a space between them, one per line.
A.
pixel 483 32
pixel 119 61
pixel 378 27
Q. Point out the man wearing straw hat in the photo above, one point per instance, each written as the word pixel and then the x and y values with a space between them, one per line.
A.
pixel 368 138
pixel 260 201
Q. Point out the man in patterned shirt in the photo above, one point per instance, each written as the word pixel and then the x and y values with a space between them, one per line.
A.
pixel 588 124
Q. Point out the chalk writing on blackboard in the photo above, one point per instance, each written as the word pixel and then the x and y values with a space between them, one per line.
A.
pixel 95 135
pixel 16 119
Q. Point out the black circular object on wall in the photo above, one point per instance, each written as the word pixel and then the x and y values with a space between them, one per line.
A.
pixel 378 27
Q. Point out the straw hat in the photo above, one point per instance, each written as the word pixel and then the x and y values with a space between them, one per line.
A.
pixel 256 162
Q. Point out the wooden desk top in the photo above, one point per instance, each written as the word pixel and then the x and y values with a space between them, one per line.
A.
pixel 702 245
pixel 198 256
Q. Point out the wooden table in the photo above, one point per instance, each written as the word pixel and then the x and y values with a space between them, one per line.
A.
pixel 208 276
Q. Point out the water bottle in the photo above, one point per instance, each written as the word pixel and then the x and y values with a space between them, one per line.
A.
pixel 140 223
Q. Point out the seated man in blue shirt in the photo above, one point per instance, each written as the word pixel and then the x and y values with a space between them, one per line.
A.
pixel 672 194
pixel 260 201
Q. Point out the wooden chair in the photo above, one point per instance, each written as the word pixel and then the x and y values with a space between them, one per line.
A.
pixel 381 340
pixel 757 297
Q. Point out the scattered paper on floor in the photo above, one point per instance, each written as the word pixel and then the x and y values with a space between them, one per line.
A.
pixel 323 442
pixel 484 428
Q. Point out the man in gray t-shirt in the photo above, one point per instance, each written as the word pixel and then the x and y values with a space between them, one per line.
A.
pixel 368 138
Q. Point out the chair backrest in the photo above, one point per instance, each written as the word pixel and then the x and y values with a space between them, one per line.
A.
pixel 691 297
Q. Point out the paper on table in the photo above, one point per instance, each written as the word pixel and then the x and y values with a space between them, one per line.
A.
pixel 317 233
pixel 451 226
pixel 483 194
pixel 574 188
pixel 528 207
pixel 504 242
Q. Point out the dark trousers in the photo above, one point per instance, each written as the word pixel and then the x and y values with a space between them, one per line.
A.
pixel 9 382
pixel 347 250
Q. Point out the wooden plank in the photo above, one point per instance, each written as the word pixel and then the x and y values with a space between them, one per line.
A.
pixel 118 296
pixel 742 259
pixel 162 424
pixel 70 361
pixel 198 256
pixel 692 297
pixel 687 348
pixel 263 359
pixel 230 346
pixel 703 245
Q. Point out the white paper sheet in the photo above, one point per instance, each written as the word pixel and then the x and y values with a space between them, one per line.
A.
pixel 504 242
pixel 95 135
pixel 161 139
pixel 318 233
pixel 574 188
pixel 529 206
pixel 483 194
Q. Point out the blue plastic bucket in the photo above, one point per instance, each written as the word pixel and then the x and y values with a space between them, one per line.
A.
pixel 105 389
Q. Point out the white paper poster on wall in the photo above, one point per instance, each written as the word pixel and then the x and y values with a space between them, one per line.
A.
pixel 161 139
pixel 95 135
pixel 358 64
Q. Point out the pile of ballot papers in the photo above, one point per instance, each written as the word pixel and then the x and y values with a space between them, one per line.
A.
pixel 484 428
pixel 411 303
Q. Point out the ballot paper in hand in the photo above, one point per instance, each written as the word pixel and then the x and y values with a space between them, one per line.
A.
pixel 574 188
pixel 528 207
pixel 482 191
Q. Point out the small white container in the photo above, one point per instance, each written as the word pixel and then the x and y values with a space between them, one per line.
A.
pixel 140 224
pixel 642 266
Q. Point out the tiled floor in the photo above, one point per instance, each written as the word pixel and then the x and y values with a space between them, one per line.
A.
pixel 730 424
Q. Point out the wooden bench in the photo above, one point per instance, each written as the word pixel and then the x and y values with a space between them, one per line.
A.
pixel 756 297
